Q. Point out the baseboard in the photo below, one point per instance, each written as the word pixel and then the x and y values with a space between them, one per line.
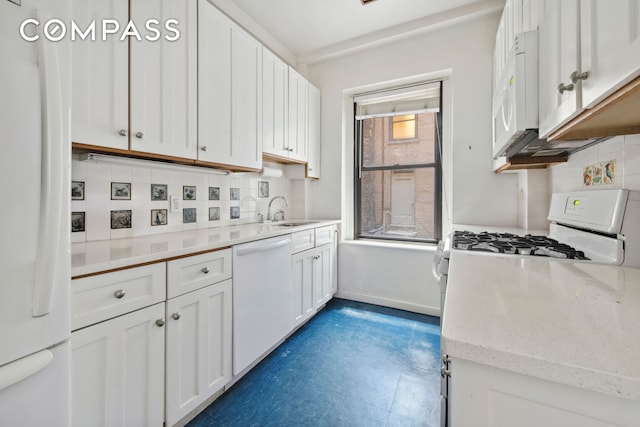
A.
pixel 387 302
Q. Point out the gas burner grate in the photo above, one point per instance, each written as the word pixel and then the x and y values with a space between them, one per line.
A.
pixel 507 243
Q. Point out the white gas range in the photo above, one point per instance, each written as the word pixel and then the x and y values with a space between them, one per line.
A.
pixel 599 227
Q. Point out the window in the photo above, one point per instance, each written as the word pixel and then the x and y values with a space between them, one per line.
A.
pixel 403 127
pixel 398 166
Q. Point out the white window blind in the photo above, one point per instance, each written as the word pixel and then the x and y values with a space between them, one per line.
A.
pixel 423 98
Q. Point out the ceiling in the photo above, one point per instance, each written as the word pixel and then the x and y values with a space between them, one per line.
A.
pixel 311 29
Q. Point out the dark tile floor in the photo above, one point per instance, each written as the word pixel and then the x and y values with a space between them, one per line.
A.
pixel 353 364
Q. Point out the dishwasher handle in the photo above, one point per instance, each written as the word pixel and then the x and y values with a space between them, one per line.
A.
pixel 261 248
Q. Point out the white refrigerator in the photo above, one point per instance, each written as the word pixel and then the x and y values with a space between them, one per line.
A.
pixel 34 218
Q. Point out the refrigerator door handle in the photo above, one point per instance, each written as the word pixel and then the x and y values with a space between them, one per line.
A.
pixel 21 369
pixel 51 196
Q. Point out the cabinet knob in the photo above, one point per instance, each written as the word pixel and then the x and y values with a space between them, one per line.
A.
pixel 444 372
pixel 119 293
pixel 289 149
pixel 203 148
pixel 123 132
pixel 206 270
pixel 175 316
pixel 563 87
pixel 139 135
pixel 576 76
pixel 160 322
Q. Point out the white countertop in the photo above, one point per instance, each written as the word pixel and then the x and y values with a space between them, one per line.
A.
pixel 576 323
pixel 104 255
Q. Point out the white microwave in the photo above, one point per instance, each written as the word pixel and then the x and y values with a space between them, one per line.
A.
pixel 515 99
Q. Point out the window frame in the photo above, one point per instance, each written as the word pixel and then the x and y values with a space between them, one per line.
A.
pixel 359 168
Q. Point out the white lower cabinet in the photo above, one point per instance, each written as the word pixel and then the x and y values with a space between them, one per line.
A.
pixel 303 277
pixel 322 275
pixel 485 396
pixel 118 371
pixel 313 273
pixel 198 349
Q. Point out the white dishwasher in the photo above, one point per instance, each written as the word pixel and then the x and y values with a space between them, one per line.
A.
pixel 262 298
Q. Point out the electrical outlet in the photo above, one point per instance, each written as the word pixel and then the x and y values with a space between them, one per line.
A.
pixel 175 204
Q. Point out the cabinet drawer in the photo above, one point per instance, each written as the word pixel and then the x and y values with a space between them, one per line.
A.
pixel 302 240
pixel 324 235
pixel 194 272
pixel 101 297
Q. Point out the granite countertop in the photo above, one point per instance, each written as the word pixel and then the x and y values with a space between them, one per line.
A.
pixel 576 323
pixel 104 255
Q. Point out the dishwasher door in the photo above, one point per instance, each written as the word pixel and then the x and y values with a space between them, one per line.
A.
pixel 262 298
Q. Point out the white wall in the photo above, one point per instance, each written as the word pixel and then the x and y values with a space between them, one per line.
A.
pixel 398 276
pixel 478 196
pixel 625 150
pixel 401 277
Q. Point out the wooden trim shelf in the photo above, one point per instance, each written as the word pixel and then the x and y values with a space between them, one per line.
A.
pixel 618 114
pixel 281 159
pixel 87 148
pixel 522 162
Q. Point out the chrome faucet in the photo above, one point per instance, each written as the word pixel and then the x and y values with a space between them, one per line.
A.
pixel 269 217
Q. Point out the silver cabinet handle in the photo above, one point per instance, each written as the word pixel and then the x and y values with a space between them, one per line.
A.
pixel 160 322
pixel 203 148
pixel 576 76
pixel 139 135
pixel 563 87
pixel 290 149
pixel 444 372
pixel 175 316
pixel 119 293
pixel 206 270
pixel 123 132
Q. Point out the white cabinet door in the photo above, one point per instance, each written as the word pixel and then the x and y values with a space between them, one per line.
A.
pixel 610 46
pixel 323 275
pixel 118 371
pixel 246 100
pixel 163 89
pixel 559 57
pixel 302 269
pixel 229 91
pixel 275 99
pixel 298 106
pixel 313 167
pixel 484 396
pixel 198 348
pixel 99 108
pixel 214 84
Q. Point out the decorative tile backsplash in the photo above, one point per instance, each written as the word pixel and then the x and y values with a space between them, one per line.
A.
pixel 116 199
pixel 587 169
pixel 600 173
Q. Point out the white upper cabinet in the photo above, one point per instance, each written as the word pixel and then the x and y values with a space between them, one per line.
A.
pixel 313 166
pixel 164 82
pixel 298 107
pixel 610 46
pixel 214 82
pixel 229 92
pixel 156 113
pixel 99 112
pixel 588 50
pixel 559 99
pixel 275 102
pixel 246 99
